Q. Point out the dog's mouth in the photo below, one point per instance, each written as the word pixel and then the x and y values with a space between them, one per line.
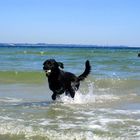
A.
pixel 48 72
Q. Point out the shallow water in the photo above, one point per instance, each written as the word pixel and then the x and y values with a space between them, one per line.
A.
pixel 107 105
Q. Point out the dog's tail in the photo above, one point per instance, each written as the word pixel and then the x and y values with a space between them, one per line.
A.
pixel 86 72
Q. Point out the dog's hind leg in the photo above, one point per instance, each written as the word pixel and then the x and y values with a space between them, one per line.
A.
pixel 72 92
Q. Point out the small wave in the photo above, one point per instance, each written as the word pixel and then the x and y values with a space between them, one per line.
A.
pixel 10 100
pixel 18 76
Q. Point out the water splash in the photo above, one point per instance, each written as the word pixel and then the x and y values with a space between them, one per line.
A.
pixel 89 97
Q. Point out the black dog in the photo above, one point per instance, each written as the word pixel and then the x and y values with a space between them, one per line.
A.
pixel 61 81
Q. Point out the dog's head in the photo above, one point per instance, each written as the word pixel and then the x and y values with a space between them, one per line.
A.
pixel 50 66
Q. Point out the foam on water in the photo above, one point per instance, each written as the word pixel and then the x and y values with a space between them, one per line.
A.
pixel 98 129
pixel 29 134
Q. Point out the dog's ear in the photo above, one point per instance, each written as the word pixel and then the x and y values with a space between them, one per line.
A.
pixel 61 65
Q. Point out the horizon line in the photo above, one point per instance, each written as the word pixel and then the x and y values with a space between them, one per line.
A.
pixel 65 44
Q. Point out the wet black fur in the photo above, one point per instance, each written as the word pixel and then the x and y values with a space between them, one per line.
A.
pixel 63 82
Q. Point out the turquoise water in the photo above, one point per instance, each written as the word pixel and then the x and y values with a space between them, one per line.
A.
pixel 107 105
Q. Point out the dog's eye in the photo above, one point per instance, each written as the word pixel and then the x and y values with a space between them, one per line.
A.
pixel 49 63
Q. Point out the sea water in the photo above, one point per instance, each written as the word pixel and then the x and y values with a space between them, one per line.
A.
pixel 106 107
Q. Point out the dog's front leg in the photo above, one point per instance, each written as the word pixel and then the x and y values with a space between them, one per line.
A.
pixel 54 96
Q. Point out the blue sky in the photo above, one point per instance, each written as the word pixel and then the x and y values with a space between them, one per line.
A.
pixel 99 22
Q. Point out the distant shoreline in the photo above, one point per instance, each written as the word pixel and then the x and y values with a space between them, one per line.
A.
pixel 45 45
